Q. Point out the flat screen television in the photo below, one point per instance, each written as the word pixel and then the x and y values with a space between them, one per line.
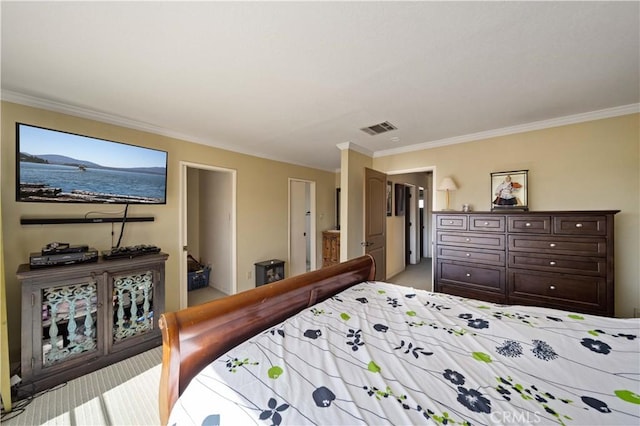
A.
pixel 62 167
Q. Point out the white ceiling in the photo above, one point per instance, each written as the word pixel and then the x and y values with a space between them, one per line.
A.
pixel 293 80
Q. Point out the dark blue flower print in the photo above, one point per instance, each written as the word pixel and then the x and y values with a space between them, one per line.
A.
pixel 273 412
pixel 627 336
pixel 543 351
pixel 393 302
pixel 473 400
pixel 504 392
pixel 465 316
pixel 510 348
pixel 381 328
pixel 273 332
pixel 478 323
pixel 555 319
pixel 312 334
pixel 596 346
pixel 453 376
pixel 356 336
pixel 596 403
pixel 323 397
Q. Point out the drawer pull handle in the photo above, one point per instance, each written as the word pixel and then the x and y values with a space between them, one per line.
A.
pixel 468 274
pixel 450 222
pixel 486 224
pixel 468 254
pixel 552 245
pixel 527 224
pixel 578 225
pixel 467 239
pixel 552 287
pixel 552 263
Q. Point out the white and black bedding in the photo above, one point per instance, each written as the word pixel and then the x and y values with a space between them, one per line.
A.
pixel 379 353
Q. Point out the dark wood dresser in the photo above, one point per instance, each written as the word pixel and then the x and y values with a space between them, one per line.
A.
pixel 79 318
pixel 555 259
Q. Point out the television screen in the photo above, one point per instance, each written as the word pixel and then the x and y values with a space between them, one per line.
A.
pixel 56 166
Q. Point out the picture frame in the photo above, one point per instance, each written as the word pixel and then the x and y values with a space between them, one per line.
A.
pixel 509 190
pixel 338 208
pixel 389 198
pixel 399 189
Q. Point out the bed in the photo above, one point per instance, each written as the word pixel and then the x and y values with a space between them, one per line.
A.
pixel 333 346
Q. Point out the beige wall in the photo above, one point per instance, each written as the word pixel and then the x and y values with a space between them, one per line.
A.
pixel 215 227
pixel 262 198
pixel 353 165
pixel 587 166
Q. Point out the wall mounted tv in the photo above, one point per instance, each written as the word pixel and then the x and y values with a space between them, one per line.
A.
pixel 62 167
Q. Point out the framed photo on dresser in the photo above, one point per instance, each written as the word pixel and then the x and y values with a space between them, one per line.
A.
pixel 509 190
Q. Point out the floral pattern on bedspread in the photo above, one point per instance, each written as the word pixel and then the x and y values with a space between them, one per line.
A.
pixel 378 353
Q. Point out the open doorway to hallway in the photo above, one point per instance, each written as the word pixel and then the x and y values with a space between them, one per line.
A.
pixel 409 234
pixel 208 218
pixel 302 226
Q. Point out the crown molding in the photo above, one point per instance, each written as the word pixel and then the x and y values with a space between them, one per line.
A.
pixel 60 107
pixel 537 125
pixel 51 105
pixel 354 147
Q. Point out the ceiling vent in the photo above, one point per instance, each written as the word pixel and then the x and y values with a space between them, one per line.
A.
pixel 376 129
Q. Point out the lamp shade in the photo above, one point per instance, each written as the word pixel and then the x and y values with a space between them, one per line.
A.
pixel 447 184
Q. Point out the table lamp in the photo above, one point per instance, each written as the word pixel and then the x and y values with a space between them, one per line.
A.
pixel 447 185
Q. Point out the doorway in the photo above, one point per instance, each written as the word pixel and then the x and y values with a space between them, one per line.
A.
pixel 208 229
pixel 409 235
pixel 302 226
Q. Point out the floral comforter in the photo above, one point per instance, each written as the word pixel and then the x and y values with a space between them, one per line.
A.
pixel 378 353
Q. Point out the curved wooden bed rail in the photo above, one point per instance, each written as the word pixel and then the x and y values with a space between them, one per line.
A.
pixel 194 337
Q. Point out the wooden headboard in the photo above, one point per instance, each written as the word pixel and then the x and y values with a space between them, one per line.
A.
pixel 193 337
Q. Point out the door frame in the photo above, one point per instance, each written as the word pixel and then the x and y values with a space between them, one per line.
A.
pixel 375 239
pixel 182 234
pixel 312 222
pixel 428 206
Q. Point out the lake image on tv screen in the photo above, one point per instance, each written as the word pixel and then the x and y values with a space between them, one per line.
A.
pixel 62 167
pixel 105 184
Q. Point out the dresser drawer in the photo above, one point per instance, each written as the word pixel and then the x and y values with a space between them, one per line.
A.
pixel 491 257
pixel 487 223
pixel 466 239
pixel 560 245
pixel 580 225
pixel 570 292
pixel 472 293
pixel 529 224
pixel 476 276
pixel 580 265
pixel 453 222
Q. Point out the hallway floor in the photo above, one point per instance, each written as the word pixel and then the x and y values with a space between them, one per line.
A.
pixel 416 276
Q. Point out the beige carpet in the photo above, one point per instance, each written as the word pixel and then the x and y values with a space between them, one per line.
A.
pixel 416 276
pixel 125 393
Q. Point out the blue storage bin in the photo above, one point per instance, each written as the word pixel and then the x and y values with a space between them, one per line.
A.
pixel 198 279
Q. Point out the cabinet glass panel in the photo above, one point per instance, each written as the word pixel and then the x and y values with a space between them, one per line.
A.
pixel 68 321
pixel 132 305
